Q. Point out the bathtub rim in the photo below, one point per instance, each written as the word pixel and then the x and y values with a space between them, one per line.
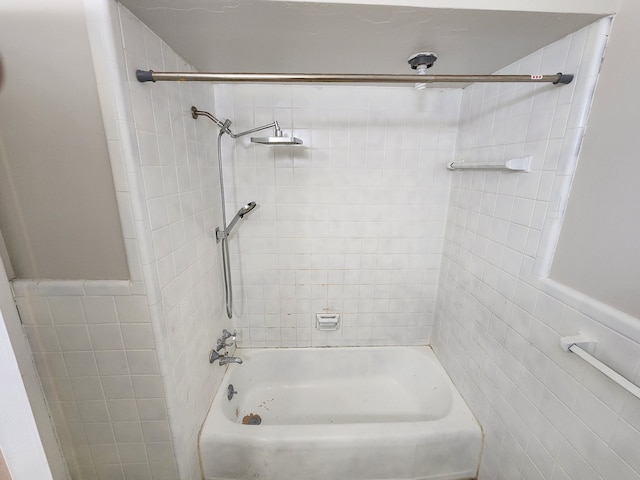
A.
pixel 459 407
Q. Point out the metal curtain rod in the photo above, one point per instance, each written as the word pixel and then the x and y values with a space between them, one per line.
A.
pixel 151 76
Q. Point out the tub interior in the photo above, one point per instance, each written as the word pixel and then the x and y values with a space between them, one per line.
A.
pixel 374 400
pixel 362 413
pixel 336 386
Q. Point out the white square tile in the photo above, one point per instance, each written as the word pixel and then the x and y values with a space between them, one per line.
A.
pixel 34 311
pixel 128 432
pixel 87 388
pixel 105 455
pixel 42 338
pixel 99 433
pixel 143 362
pixel 73 337
pixel 117 386
pixel 132 309
pixel 138 336
pixel 112 362
pixel 93 411
pixel 152 409
pixel 156 431
pixel 122 410
pixel 132 452
pixel 100 309
pixel 147 386
pixel 66 310
pixel 80 364
pixel 106 337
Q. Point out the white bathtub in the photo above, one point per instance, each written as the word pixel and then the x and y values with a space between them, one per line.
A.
pixel 339 413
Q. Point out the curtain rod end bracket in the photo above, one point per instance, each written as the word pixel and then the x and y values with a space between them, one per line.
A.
pixel 564 78
pixel 145 75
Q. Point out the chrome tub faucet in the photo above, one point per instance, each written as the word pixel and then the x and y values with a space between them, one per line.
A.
pixel 224 358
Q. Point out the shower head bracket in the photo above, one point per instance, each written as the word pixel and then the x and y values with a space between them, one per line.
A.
pixel 220 234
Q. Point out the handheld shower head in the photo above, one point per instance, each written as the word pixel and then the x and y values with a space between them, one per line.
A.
pixel 241 213
pixel 246 209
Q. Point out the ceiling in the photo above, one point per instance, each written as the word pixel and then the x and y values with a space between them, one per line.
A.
pixel 297 37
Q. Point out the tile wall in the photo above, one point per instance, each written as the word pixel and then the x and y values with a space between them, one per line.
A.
pixel 166 185
pixel 352 222
pixel 93 347
pixel 545 414
pixel 171 188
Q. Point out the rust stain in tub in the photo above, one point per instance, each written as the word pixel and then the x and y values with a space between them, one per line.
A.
pixel 252 419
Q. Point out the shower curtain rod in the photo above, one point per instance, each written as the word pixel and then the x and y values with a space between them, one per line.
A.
pixel 151 76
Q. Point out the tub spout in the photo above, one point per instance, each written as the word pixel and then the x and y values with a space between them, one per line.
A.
pixel 224 360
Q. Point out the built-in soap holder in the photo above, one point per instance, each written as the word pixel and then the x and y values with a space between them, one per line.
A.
pixel 327 321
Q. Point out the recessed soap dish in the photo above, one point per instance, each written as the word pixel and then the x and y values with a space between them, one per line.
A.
pixel 327 321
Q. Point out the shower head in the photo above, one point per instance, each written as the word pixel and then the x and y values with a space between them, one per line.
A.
pixel 278 138
pixel 281 140
pixel 241 213
pixel 246 209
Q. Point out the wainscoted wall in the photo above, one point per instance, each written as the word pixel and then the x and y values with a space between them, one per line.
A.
pixel 545 413
pixel 93 347
pixel 352 222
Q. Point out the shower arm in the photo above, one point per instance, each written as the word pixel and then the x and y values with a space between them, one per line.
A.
pixel 224 126
pixel 273 124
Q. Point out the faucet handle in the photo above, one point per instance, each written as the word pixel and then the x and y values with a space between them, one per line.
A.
pixel 226 334
pixel 222 341
pixel 214 355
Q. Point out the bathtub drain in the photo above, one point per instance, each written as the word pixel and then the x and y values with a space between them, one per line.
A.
pixel 251 419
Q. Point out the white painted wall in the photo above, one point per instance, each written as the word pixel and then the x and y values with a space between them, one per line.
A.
pixel 57 200
pixel 598 252
pixel 19 438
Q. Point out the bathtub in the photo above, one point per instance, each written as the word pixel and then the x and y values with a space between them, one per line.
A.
pixel 359 413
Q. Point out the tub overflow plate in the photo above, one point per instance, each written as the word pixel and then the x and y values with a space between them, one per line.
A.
pixel 230 392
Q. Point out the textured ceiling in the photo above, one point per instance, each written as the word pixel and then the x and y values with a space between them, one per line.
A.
pixel 296 37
